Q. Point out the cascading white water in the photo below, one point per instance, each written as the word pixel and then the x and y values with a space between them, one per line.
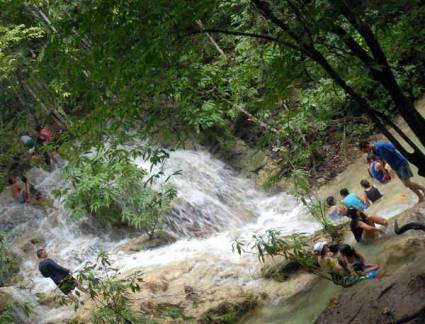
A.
pixel 213 203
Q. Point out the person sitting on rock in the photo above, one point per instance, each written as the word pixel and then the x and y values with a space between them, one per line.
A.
pixel 372 193
pixel 378 170
pixel 329 263
pixel 350 199
pixel 34 196
pixel 363 226
pixel 355 261
pixel 334 211
pixel 16 190
pixel 61 277
pixel 325 258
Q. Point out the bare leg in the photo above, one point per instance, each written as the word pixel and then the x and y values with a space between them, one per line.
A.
pixel 370 267
pixel 80 287
pixel 73 298
pixel 416 188
pixel 379 220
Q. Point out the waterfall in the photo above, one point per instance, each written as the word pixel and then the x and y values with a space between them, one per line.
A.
pixel 214 206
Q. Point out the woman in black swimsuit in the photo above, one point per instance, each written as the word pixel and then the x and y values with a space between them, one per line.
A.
pixel 355 261
pixel 363 226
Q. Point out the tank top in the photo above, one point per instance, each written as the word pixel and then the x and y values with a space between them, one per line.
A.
pixel 353 201
pixel 377 174
pixel 373 194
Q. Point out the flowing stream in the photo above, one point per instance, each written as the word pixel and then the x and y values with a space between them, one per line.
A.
pixel 214 206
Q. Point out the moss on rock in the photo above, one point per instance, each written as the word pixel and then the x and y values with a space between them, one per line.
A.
pixel 227 312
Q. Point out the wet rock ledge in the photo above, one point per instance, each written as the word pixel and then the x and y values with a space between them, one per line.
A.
pixel 399 298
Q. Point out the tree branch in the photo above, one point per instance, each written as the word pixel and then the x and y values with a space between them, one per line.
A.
pixel 235 33
pixel 252 35
pixel 212 40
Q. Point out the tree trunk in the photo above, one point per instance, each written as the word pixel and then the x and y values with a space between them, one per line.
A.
pixel 417 157
pixel 383 74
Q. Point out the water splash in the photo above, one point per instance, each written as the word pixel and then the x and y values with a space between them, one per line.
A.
pixel 213 202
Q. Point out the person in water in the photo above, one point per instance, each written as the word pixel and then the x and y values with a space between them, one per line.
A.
pixel 363 226
pixel 16 190
pixel 352 200
pixel 387 152
pixel 355 261
pixel 377 170
pixel 334 211
pixel 372 193
pixel 61 277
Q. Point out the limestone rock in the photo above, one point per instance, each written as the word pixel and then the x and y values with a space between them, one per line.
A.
pixel 143 242
pixel 399 298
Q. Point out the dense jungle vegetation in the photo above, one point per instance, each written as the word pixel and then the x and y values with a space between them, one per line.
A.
pixel 300 79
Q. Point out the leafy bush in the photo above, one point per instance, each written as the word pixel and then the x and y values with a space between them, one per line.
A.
pixel 304 192
pixel 9 265
pixel 295 248
pixel 9 309
pixel 110 294
pixel 108 185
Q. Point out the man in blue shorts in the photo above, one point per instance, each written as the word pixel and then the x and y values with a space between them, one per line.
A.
pixel 387 152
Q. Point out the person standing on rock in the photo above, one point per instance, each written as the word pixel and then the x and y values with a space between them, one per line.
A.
pixel 61 277
pixel 387 152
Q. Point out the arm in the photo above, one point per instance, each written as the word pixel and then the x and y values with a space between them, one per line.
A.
pixel 361 258
pixel 367 227
pixel 364 199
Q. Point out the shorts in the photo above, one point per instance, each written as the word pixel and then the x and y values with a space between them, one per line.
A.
pixel 68 284
pixel 404 172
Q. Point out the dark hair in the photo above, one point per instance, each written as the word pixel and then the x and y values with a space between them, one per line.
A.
pixel 39 253
pixel 334 248
pixel 323 252
pixel 365 184
pixel 358 266
pixel 330 201
pixel 24 179
pixel 364 144
pixel 38 128
pixel 347 250
pixel 344 192
pixel 11 180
